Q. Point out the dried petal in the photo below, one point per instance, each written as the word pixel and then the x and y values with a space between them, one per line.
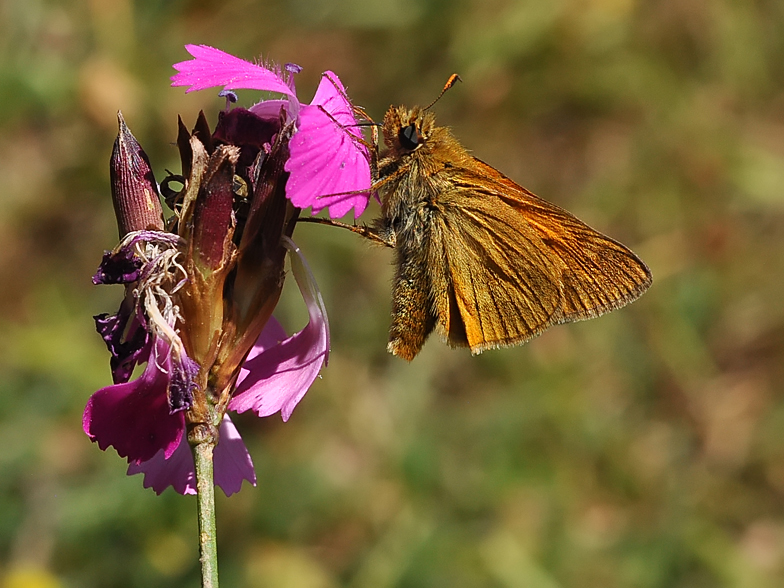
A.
pixel 125 337
pixel 183 383
pixel 118 267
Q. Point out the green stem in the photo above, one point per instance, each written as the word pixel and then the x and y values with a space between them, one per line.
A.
pixel 205 493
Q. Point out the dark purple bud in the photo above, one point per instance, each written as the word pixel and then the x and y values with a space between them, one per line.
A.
pixel 213 217
pixel 267 215
pixel 261 256
pixel 134 190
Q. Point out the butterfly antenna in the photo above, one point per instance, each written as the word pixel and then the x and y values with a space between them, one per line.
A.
pixel 453 79
pixel 367 123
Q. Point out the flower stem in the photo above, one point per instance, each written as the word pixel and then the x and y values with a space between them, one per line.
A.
pixel 205 493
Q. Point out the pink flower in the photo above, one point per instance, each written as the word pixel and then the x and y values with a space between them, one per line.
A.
pixel 328 162
pixel 136 419
pixel 216 268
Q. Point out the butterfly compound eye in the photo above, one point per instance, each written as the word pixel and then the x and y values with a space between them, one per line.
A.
pixel 408 137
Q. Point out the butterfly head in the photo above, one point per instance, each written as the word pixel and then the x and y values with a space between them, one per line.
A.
pixel 407 129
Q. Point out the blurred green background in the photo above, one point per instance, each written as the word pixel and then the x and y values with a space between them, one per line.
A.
pixel 643 449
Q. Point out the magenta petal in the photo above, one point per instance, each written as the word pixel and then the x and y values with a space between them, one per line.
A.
pixel 275 377
pixel 271 335
pixel 232 460
pixel 331 95
pixel 135 417
pixel 213 67
pixel 270 109
pixel 327 159
pixel 178 471
pixel 232 465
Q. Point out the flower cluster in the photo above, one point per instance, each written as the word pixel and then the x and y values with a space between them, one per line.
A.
pixel 201 286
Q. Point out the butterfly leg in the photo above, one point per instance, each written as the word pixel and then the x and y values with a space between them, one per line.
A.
pixel 372 234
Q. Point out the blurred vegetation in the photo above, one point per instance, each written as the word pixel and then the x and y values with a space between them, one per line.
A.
pixel 643 449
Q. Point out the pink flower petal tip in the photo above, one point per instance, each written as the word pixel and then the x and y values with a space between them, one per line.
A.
pixel 232 465
pixel 212 67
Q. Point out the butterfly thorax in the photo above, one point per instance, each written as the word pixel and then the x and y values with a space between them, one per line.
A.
pixel 413 171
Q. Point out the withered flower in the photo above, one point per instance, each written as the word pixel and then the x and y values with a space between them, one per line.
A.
pixel 201 286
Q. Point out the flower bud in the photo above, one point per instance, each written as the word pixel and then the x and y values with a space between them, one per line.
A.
pixel 134 190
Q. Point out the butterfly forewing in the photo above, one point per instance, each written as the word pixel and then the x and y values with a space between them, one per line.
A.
pixel 599 273
pixel 516 264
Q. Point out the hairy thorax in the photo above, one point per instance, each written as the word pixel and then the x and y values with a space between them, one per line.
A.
pixel 410 186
